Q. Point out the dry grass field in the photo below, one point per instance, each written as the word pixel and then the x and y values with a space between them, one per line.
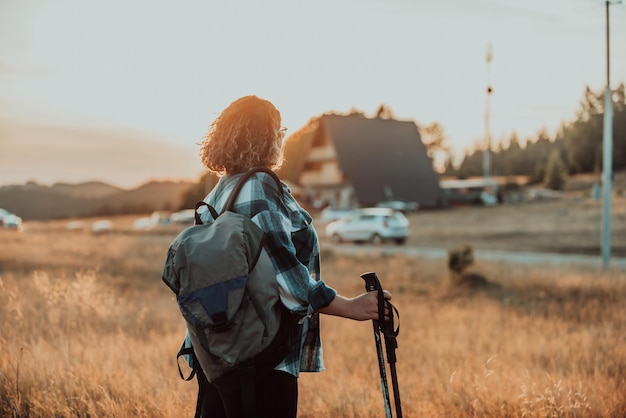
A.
pixel 89 330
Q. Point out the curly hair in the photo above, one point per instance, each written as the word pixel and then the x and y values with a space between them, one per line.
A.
pixel 246 134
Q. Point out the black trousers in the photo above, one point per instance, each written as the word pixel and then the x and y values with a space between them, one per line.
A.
pixel 276 396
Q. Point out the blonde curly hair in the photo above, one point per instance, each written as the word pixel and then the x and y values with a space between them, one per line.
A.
pixel 246 134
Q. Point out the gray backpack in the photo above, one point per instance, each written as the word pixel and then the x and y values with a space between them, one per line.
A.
pixel 226 289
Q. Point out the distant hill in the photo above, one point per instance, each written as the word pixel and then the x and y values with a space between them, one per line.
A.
pixel 90 190
pixel 152 196
pixel 32 201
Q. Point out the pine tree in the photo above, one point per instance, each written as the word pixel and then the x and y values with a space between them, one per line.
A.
pixel 555 172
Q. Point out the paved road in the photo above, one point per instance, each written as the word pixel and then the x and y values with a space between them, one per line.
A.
pixel 491 255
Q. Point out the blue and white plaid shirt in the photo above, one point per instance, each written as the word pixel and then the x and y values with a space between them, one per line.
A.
pixel 292 244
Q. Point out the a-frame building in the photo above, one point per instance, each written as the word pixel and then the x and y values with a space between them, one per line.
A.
pixel 352 160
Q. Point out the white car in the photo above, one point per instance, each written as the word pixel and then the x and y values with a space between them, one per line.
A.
pixel 375 225
pixel 332 214
pixel 186 216
pixel 143 223
pixel 11 221
pixel 401 205
pixel 102 227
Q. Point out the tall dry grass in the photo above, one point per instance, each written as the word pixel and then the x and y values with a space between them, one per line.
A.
pixel 89 330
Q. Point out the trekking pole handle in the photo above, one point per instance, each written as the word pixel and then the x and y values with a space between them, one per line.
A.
pixel 372 284
pixel 371 281
pixel 386 325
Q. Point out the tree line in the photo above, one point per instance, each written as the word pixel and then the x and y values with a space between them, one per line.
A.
pixel 575 148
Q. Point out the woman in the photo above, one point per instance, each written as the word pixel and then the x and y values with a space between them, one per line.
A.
pixel 247 134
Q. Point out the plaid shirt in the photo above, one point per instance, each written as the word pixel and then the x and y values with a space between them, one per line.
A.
pixel 293 246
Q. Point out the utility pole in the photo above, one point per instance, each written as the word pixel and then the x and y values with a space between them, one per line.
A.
pixel 607 153
pixel 487 145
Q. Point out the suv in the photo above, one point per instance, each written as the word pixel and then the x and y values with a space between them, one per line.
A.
pixel 375 225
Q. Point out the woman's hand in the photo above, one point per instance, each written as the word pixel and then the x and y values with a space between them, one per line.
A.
pixel 359 308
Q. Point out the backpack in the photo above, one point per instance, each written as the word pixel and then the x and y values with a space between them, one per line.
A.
pixel 226 290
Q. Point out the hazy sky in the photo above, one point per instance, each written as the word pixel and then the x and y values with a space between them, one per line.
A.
pixel 94 89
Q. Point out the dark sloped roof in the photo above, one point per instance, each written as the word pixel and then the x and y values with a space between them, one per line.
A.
pixel 381 156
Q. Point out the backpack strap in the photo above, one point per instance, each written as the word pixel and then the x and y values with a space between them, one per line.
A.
pixel 230 203
pixel 197 220
pixel 188 351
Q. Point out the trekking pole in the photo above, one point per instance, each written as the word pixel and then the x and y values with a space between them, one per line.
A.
pixel 391 344
pixel 387 328
pixel 371 285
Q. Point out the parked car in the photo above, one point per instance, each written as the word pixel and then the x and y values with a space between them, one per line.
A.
pixel 375 225
pixel 185 216
pixel 332 214
pixel 161 218
pixel 401 205
pixel 10 220
pixel 142 223
pixel 75 226
pixel 102 227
